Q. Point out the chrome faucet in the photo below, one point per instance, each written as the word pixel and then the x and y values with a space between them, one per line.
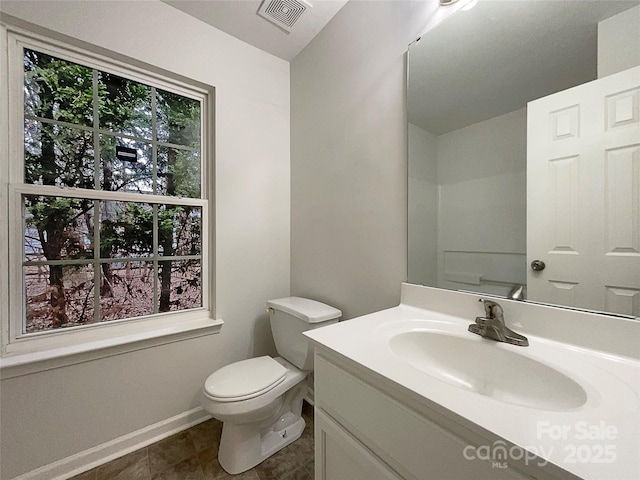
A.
pixel 492 326
pixel 517 293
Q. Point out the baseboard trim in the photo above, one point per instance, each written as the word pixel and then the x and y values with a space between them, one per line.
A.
pixel 101 454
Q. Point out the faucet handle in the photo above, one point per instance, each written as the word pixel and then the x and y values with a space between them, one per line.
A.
pixel 491 308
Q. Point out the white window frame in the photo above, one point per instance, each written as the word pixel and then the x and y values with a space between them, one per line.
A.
pixel 19 348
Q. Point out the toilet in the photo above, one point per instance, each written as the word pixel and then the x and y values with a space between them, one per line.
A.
pixel 259 400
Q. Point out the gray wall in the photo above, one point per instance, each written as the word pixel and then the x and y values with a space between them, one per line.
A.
pixel 619 42
pixel 422 228
pixel 482 205
pixel 471 183
pixel 348 156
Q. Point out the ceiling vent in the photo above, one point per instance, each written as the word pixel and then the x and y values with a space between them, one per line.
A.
pixel 283 13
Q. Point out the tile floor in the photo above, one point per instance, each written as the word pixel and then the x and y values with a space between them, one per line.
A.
pixel 193 455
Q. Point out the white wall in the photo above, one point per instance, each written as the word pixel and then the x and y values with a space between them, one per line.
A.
pixel 53 414
pixel 348 156
pixel 467 210
pixel 482 181
pixel 423 207
pixel 619 42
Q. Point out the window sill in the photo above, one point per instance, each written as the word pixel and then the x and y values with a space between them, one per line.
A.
pixel 19 364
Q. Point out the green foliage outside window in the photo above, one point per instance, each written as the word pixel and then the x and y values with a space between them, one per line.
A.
pixel 88 260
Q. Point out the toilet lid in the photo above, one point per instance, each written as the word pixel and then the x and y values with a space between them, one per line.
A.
pixel 244 379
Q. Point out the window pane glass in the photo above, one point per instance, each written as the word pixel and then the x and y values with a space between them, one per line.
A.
pixel 56 155
pixel 129 170
pixel 180 285
pixel 179 230
pixel 178 119
pixel 57 89
pixel 57 296
pixel 99 260
pixel 57 228
pixel 126 229
pixel 178 172
pixel 126 290
pixel 124 105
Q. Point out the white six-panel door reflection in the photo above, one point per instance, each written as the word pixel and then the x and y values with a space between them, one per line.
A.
pixel 583 195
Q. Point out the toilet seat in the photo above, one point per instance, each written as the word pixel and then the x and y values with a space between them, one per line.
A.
pixel 244 380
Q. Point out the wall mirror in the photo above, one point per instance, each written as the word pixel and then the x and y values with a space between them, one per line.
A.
pixel 524 153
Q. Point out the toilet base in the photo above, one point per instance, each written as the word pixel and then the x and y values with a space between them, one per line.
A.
pixel 245 445
pixel 242 448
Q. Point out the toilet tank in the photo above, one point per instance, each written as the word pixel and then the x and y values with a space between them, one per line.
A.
pixel 290 316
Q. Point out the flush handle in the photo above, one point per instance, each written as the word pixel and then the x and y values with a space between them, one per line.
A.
pixel 537 265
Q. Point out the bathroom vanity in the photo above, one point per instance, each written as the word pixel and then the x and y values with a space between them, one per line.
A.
pixel 409 393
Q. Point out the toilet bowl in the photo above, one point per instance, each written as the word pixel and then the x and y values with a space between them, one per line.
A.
pixel 259 400
pixel 256 424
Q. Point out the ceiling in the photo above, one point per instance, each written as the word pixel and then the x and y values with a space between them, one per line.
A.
pixel 240 19
pixel 499 55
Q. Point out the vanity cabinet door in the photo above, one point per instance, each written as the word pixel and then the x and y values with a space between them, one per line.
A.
pixel 397 437
pixel 340 456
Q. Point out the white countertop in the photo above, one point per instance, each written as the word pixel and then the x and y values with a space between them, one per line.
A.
pixel 599 439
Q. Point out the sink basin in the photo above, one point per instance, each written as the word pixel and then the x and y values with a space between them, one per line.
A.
pixel 488 368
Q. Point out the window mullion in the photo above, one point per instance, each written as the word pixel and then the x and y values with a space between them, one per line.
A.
pixel 54 191
pixel 96 262
pixel 175 146
pixel 80 261
pixel 96 203
pixel 61 123
pixel 154 155
pixel 156 272
pixel 154 141
pixel 15 107
pixel 104 131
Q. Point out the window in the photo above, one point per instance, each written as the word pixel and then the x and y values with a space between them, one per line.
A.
pixel 108 197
